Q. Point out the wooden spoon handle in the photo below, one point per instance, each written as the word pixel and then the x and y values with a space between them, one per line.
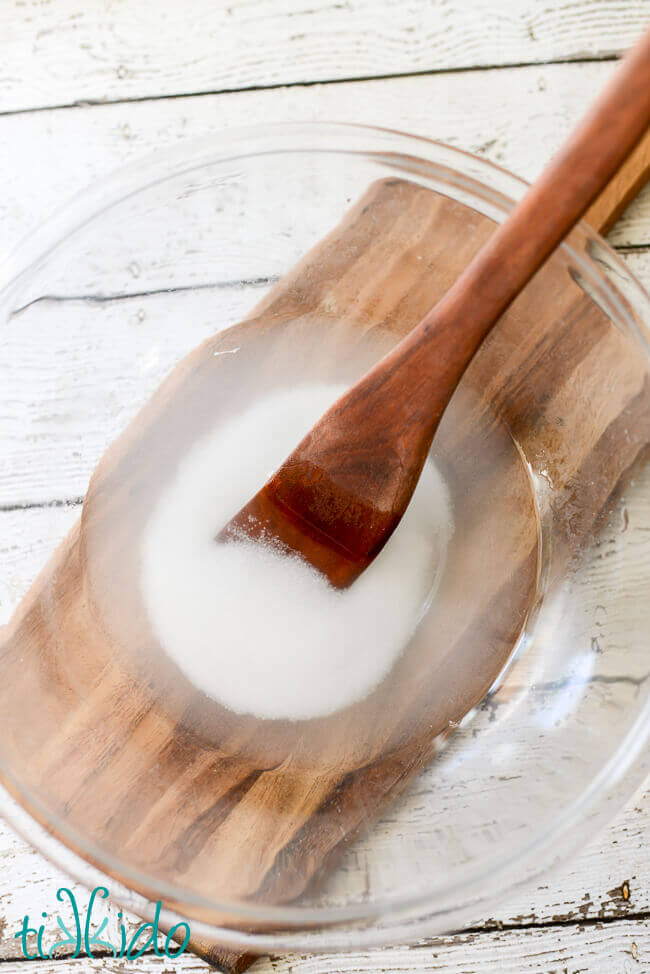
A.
pixel 625 185
pixel 431 360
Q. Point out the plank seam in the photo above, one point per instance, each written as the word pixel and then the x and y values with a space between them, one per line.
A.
pixel 253 282
pixel 138 99
pixel 107 298
pixel 559 922
pixel 33 505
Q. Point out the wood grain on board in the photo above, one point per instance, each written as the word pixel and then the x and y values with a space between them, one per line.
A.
pixel 589 887
pixel 194 794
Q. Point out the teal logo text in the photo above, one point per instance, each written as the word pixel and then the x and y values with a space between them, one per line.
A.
pixel 79 934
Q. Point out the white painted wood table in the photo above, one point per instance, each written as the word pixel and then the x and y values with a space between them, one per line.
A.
pixel 87 86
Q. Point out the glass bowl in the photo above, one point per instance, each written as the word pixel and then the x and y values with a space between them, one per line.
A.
pixel 515 722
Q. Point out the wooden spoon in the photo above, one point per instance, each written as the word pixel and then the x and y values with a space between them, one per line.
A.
pixel 340 495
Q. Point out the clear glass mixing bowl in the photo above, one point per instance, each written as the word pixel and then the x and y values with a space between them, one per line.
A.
pixel 516 722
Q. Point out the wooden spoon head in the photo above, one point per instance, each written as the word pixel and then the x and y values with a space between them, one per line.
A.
pixel 302 511
pixel 339 496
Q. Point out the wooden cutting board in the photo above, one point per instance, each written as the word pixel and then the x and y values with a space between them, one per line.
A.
pixel 101 732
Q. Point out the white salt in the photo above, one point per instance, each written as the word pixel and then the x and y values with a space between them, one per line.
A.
pixel 261 632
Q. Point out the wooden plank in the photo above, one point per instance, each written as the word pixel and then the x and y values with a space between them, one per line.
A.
pixel 589 888
pixel 29 887
pixel 622 947
pixel 27 539
pixel 67 52
pixel 467 110
pixel 116 353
